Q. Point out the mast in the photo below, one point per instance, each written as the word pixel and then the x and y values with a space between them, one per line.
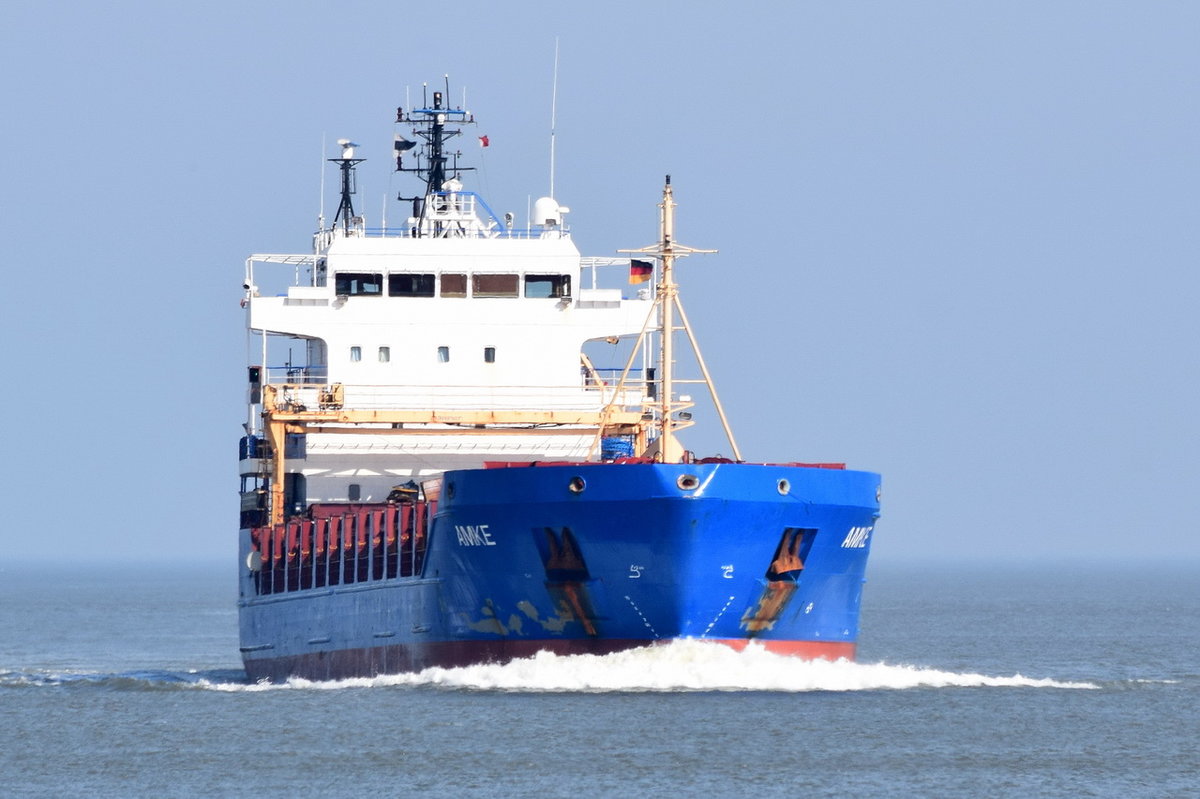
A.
pixel 666 292
pixel 437 157
pixel 346 163
pixel 668 410
pixel 435 125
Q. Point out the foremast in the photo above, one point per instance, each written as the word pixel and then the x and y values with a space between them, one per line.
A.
pixel 671 413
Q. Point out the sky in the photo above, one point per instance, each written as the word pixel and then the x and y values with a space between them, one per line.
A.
pixel 957 240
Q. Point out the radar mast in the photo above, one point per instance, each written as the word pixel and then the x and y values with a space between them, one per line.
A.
pixel 345 211
pixel 434 124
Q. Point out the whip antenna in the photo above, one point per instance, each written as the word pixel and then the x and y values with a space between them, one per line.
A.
pixel 553 114
pixel 321 200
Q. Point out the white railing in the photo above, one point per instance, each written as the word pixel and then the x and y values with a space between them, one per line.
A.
pixel 295 375
pixel 448 398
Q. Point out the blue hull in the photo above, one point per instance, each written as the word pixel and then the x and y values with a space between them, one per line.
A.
pixel 591 558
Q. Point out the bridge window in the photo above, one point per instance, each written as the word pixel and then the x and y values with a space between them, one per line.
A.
pixel 356 353
pixel 443 355
pixel 494 285
pixel 403 285
pixel 385 354
pixel 547 285
pixel 454 285
pixel 359 284
pixel 489 354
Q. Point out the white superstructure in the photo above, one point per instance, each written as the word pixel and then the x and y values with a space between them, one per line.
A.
pixel 450 342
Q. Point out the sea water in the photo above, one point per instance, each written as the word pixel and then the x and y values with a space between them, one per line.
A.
pixel 1054 680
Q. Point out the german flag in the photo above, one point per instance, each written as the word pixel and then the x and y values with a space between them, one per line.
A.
pixel 640 271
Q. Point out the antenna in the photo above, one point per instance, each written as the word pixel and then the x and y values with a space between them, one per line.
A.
pixel 321 199
pixel 553 114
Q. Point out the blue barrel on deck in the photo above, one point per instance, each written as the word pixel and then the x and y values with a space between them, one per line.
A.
pixel 616 447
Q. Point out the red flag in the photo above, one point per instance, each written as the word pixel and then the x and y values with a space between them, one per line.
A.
pixel 483 141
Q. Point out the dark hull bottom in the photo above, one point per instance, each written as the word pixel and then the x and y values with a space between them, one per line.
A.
pixel 373 661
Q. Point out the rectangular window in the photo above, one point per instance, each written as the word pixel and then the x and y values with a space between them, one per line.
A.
pixel 385 354
pixel 548 286
pixel 454 285
pixel 356 353
pixel 404 285
pixel 355 492
pixel 359 284
pixel 489 354
pixel 494 285
pixel 443 355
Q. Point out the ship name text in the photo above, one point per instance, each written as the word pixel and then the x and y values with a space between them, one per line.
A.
pixel 857 538
pixel 474 535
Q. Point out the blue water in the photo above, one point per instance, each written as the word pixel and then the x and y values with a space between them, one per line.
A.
pixel 971 681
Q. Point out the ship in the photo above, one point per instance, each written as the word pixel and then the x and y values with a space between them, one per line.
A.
pixel 439 469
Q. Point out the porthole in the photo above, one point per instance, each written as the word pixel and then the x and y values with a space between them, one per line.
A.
pixel 688 482
pixel 576 485
pixel 783 486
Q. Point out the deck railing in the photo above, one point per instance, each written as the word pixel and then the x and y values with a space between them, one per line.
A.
pixel 305 387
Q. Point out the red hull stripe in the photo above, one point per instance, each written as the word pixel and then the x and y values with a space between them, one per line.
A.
pixel 369 662
pixel 807 650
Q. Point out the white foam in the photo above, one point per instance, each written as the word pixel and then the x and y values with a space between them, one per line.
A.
pixel 675 666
